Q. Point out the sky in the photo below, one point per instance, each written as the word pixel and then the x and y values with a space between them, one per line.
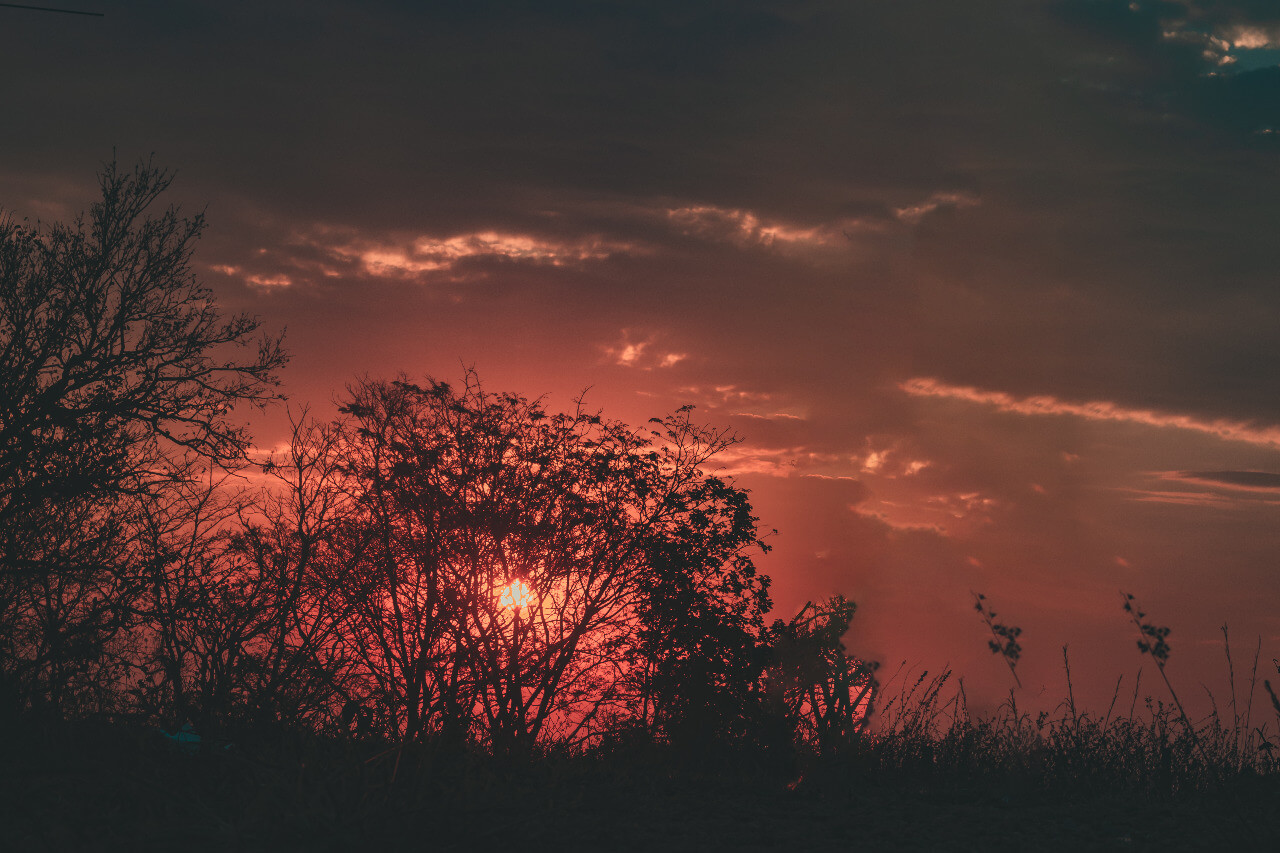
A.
pixel 987 289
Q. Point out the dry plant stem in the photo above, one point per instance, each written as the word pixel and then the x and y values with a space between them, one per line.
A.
pixel 1071 694
pixel 1231 675
pixel 1186 721
pixel 1160 657
pixel 1114 696
pixel 1253 683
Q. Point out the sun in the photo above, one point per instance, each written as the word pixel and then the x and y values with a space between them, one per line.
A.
pixel 515 596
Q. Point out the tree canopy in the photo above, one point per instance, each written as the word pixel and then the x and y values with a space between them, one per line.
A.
pixel 118 377
pixel 463 496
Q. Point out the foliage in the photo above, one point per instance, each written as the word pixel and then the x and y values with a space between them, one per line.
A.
pixel 642 587
pixel 1152 637
pixel 699 652
pixel 824 694
pixel 112 354
pixel 1004 638
pixel 117 380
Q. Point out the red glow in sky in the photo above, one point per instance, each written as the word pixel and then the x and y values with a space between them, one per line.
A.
pixel 988 290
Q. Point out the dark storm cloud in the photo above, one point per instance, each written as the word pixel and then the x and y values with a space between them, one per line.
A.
pixel 1217 13
pixel 1214 62
pixel 310 107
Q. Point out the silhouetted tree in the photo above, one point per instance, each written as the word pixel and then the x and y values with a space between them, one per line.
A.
pixel 182 586
pixel 701 613
pixel 508 558
pixel 824 693
pixel 118 374
pixel 236 623
pixel 296 668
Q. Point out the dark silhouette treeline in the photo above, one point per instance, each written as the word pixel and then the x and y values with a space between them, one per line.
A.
pixel 438 564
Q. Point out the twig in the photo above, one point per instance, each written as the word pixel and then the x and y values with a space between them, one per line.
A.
pixel 1004 638
pixel 1115 695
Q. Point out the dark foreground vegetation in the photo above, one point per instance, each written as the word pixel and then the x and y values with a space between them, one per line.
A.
pixel 1125 785
pixel 454 618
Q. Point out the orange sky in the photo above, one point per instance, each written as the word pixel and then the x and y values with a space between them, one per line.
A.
pixel 987 289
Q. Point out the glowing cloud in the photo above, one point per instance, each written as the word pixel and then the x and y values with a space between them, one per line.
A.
pixel 639 353
pixel 628 354
pixel 746 228
pixel 1252 38
pixel 1097 410
pixel 1227 45
pixel 912 214
pixel 432 254
pixel 269 280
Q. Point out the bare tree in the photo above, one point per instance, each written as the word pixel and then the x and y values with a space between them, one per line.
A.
pixel 183 584
pixel 118 376
pixel 296 668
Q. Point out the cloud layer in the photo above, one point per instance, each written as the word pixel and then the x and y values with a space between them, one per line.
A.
pixel 987 288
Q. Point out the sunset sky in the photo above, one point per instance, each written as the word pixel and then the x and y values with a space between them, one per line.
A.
pixel 988 288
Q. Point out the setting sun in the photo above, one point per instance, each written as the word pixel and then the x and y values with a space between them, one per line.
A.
pixel 515 595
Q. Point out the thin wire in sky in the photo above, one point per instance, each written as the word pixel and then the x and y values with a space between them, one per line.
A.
pixel 51 9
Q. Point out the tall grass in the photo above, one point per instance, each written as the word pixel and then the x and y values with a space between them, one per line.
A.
pixel 926 732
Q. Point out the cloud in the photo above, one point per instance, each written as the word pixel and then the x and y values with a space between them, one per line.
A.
pixel 639 353
pixel 891 521
pixel 1220 489
pixel 789 461
pixel 1098 410
pixel 1202 499
pixel 430 254
pixel 1231 48
pixel 314 252
pixel 1253 37
pixel 719 396
pixel 748 229
pixel 1263 481
pixel 913 213
pixel 946 515
pixel 628 354
pixel 269 280
pixel 771 416
pixel 965 504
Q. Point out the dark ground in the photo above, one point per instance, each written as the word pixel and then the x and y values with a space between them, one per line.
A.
pixel 105 788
